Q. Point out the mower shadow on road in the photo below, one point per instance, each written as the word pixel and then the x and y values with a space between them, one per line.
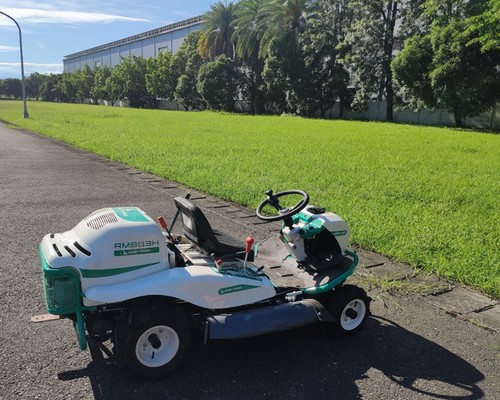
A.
pixel 307 363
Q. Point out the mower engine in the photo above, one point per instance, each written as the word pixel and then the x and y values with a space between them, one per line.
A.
pixel 315 232
pixel 110 246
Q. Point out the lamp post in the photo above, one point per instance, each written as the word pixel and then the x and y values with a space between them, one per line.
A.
pixel 23 81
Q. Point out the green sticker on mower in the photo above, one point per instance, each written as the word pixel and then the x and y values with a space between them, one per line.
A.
pixel 234 289
pixel 131 214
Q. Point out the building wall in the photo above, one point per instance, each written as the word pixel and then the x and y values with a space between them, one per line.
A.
pixel 376 111
pixel 147 44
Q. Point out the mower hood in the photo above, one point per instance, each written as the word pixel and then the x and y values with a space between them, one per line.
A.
pixel 107 244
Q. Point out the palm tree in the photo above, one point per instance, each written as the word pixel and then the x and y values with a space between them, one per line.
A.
pixel 282 22
pixel 217 35
pixel 248 29
pixel 247 36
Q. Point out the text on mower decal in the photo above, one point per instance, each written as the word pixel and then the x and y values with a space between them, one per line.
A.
pixel 237 288
pixel 135 248
pixel 135 245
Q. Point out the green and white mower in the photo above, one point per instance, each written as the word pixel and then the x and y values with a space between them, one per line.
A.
pixel 122 276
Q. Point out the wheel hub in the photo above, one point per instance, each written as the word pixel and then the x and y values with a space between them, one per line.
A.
pixel 353 314
pixel 154 340
pixel 157 346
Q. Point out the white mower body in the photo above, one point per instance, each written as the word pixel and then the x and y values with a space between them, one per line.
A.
pixel 121 254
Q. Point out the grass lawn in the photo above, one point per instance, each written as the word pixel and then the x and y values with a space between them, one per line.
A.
pixel 422 195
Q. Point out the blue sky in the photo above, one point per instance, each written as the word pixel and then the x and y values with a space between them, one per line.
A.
pixel 52 29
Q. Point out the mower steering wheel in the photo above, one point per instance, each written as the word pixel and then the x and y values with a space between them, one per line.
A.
pixel 285 213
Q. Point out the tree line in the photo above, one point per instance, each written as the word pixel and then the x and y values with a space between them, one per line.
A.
pixel 304 56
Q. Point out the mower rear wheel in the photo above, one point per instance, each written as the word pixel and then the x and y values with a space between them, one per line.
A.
pixel 350 306
pixel 153 347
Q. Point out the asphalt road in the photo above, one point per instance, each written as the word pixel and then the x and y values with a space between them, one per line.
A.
pixel 408 349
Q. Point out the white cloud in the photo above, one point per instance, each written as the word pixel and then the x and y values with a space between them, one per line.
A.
pixel 48 5
pixel 13 69
pixel 39 16
pixel 6 49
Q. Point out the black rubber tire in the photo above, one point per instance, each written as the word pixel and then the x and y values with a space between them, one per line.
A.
pixel 161 335
pixel 350 307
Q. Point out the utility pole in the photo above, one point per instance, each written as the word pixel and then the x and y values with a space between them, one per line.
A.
pixel 23 81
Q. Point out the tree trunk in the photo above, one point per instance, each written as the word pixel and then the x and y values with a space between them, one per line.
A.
pixel 259 95
pixel 392 10
pixel 458 118
pixel 389 116
pixel 341 109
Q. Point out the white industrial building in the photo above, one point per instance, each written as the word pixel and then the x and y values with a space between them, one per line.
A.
pixel 147 44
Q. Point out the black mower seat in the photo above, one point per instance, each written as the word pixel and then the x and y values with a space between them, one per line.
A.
pixel 197 229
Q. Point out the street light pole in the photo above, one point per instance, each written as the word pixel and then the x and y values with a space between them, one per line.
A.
pixel 23 81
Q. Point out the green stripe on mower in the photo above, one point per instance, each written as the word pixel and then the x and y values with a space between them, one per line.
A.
pixel 104 273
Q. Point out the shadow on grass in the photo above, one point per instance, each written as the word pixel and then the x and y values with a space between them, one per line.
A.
pixel 306 363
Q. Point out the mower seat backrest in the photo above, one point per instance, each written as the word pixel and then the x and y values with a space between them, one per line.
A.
pixel 197 229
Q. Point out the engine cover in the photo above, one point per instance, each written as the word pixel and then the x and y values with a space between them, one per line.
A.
pixel 111 245
pixel 308 224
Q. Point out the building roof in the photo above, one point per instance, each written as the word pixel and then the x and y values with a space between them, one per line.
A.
pixel 140 36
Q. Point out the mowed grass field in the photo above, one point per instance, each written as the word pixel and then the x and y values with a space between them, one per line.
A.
pixel 426 196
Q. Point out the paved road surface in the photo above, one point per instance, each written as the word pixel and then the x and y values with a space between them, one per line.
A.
pixel 408 350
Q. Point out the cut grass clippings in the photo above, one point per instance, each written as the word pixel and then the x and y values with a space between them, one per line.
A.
pixel 426 196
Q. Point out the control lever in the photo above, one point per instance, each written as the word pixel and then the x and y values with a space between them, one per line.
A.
pixel 163 224
pixel 248 247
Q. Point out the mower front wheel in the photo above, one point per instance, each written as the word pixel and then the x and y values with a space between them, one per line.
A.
pixel 153 347
pixel 349 306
